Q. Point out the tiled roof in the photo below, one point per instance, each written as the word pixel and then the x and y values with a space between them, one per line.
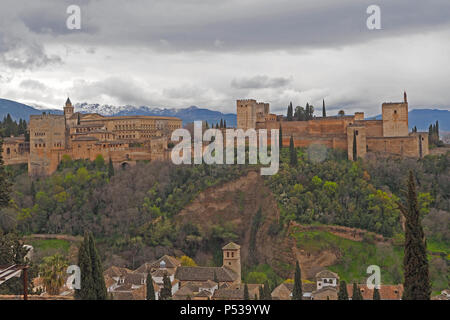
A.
pixel 170 261
pixel 183 292
pixel 204 294
pixel 326 274
pixel 114 271
pixel 328 288
pixel 135 278
pixel 387 292
pixel 208 284
pixel 205 273
pixel 231 246
pixel 229 294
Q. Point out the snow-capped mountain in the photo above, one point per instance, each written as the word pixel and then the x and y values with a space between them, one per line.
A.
pixel 186 114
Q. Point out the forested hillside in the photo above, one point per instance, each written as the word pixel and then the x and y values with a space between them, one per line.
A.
pixel 134 213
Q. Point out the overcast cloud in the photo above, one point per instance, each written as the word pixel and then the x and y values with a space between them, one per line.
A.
pixel 209 53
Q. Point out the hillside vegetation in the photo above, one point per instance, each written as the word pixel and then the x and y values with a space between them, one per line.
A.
pixel 156 208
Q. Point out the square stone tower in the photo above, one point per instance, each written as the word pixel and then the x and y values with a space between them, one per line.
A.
pixel 232 258
pixel 395 118
pixel 249 112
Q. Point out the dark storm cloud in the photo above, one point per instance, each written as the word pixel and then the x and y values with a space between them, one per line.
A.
pixel 229 25
pixel 259 82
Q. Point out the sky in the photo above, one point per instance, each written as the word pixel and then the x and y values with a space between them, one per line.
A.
pixel 209 53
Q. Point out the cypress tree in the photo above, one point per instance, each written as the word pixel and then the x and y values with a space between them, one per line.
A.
pixel 221 123
pixel 280 138
pixel 293 153
pixel 343 294
pixel 261 293
pixel 97 271
pixel 87 287
pixel 356 292
pixel 297 293
pixel 5 184
pixel 225 124
pixel 376 294
pixel 415 263
pixel 355 152
pixel 246 295
pixel 324 112
pixel 437 131
pixel 166 290
pixel 290 112
pixel 150 288
pixel 110 168
pixel 267 293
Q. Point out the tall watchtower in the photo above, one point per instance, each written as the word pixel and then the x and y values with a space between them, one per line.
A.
pixel 232 258
pixel 395 118
pixel 68 109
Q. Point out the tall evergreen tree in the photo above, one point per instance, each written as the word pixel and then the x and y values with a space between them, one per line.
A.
pixel 261 293
pixel 415 263
pixel 110 168
pixel 376 294
pixel 221 123
pixel 97 271
pixel 246 295
pixel 166 290
pixel 297 293
pixel 225 124
pixel 293 153
pixel 92 285
pixel 356 292
pixel 150 289
pixel 5 184
pixel 290 112
pixel 343 294
pixel 87 287
pixel 267 292
pixel 324 112
pixel 355 152
pixel 280 138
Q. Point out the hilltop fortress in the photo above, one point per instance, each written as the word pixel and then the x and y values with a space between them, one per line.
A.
pixel 347 132
pixel 124 139
pixel 127 139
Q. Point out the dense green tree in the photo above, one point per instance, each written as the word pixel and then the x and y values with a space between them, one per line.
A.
pixel 92 285
pixel 376 294
pixel 297 293
pixel 290 112
pixel 5 184
pixel 166 290
pixel 150 288
pixel 97 271
pixel 343 294
pixel 267 291
pixel 355 147
pixel 110 168
pixel 293 153
pixel 415 263
pixel 324 112
pixel 87 286
pixel 246 295
pixel 356 292
pixel 280 138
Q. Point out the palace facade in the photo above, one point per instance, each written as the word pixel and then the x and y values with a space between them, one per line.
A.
pixel 123 139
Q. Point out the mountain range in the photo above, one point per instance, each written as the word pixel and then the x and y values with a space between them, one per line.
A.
pixel 421 118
